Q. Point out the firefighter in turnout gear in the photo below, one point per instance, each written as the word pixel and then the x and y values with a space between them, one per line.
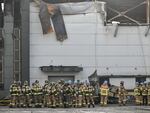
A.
pixel 37 94
pixel 89 96
pixel 122 94
pixel 57 95
pixel 14 94
pixel 20 95
pixel 144 94
pixel 66 94
pixel 46 91
pixel 74 95
pixel 53 95
pixel 104 90
pixel 60 94
pixel 84 95
pixel 80 96
pixel 148 89
pixel 140 97
pixel 26 90
pixel 137 94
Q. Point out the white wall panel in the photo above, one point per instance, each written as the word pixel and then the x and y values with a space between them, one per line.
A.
pixel 117 61
pixel 121 55
pixel 37 61
pixel 61 50
pixel 119 50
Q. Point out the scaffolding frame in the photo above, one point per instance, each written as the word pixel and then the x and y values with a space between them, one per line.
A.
pixel 17 54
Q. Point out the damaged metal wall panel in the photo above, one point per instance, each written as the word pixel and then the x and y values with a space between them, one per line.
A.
pixel 47 11
pixel 45 18
pixel 59 26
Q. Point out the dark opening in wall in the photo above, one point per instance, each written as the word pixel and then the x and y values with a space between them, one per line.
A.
pixel 140 79
pixel 127 12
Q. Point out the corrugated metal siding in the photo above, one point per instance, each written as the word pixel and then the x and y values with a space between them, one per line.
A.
pixel 121 54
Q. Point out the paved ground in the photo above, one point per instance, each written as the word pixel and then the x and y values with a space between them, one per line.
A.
pixel 110 109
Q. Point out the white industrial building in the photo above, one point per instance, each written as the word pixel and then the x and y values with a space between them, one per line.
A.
pixel 90 45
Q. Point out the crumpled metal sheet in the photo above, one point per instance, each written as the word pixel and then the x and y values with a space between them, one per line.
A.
pixel 48 11
pixel 45 18
pixel 59 26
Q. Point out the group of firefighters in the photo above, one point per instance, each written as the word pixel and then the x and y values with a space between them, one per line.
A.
pixel 61 94
pixel 142 93
pixel 58 94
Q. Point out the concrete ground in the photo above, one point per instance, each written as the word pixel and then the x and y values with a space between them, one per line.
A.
pixel 97 109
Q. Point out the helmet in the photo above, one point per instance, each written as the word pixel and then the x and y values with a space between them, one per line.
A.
pixel 36 81
pixel 33 84
pixel 46 81
pixel 137 83
pixel 25 82
pixel 15 82
pixel 105 82
pixel 145 82
pixel 121 82
pixel 69 81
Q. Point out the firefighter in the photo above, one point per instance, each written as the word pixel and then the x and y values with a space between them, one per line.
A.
pixel 74 96
pixel 90 98
pixel 122 94
pixel 60 94
pixel 66 94
pixel 57 94
pixel 80 95
pixel 104 89
pixel 20 95
pixel 84 95
pixel 69 95
pixel 37 93
pixel 50 95
pixel 140 97
pixel 144 94
pixel 26 90
pixel 86 90
pixel 137 94
pixel 46 91
pixel 14 94
pixel 148 89
pixel 53 95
